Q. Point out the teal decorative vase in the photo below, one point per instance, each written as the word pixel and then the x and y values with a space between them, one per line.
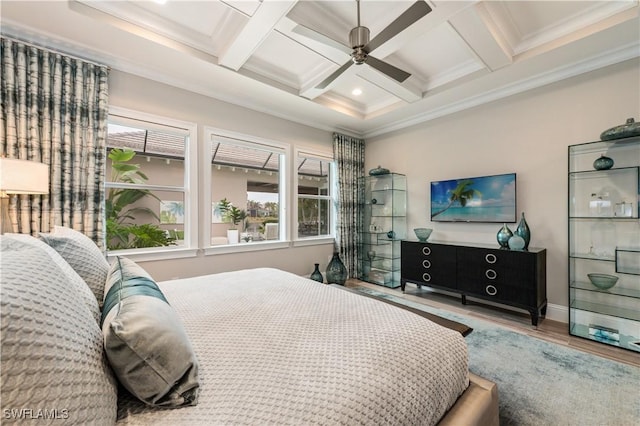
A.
pixel 603 163
pixel 516 242
pixel 523 231
pixel 503 236
pixel 316 275
pixel 336 271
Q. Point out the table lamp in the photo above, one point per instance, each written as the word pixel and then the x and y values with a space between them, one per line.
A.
pixel 19 177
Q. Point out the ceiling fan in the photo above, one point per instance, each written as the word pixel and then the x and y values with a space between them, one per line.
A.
pixel 361 46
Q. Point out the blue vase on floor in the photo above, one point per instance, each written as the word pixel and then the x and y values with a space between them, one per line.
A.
pixel 523 231
pixel 316 275
pixel 336 271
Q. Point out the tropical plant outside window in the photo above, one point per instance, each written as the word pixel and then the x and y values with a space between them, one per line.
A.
pixel 145 194
pixel 246 191
pixel 315 196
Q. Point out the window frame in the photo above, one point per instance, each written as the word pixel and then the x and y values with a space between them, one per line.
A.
pixel 326 156
pixel 284 190
pixel 156 122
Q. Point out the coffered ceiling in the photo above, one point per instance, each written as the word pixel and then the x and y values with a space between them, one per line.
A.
pixel 272 55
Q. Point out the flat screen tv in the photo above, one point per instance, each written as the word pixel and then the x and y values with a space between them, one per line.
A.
pixel 476 199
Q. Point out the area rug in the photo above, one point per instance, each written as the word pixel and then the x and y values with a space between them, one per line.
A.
pixel 541 383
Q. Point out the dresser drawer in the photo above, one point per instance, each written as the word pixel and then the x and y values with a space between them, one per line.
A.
pixel 431 264
pixel 499 292
pixel 510 268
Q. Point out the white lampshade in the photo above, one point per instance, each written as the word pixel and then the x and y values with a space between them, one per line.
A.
pixel 23 177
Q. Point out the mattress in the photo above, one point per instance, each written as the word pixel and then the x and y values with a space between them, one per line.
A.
pixel 276 348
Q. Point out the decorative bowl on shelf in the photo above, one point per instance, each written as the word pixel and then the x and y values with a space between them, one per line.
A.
pixel 378 171
pixel 627 130
pixel 423 233
pixel 603 281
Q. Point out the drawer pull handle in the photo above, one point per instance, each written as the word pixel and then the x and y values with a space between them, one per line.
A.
pixel 426 250
pixel 491 290
pixel 426 277
pixel 491 274
pixel 491 258
pixel 426 264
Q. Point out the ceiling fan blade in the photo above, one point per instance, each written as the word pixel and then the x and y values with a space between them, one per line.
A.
pixel 324 83
pixel 321 38
pixel 408 17
pixel 388 69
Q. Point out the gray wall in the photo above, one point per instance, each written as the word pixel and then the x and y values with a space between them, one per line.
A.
pixel 527 134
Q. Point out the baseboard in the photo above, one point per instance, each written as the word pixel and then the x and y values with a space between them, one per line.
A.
pixel 557 313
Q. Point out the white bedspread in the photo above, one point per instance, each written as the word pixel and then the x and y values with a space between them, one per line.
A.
pixel 276 348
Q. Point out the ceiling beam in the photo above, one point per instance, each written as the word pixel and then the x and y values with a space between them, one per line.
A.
pixel 305 37
pixel 482 35
pixel 440 13
pixel 405 91
pixel 260 25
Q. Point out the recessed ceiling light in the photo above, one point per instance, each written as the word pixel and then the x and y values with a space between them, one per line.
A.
pixel 160 1
pixel 356 92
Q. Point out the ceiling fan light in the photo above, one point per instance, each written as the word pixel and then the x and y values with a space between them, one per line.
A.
pixel 359 56
pixel 359 37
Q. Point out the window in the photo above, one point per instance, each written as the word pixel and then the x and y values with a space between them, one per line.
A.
pixel 247 190
pixel 147 183
pixel 315 196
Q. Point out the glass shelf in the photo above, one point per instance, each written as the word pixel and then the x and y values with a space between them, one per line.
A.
pixel 624 152
pixel 626 341
pixel 605 194
pixel 604 309
pixel 613 218
pixel 628 260
pixel 590 256
pixel 587 286
pixel 600 173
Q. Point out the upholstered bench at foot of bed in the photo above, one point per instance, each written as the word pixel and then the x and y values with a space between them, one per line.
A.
pixel 477 406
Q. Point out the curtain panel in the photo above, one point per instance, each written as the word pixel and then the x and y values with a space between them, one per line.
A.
pixel 54 110
pixel 349 156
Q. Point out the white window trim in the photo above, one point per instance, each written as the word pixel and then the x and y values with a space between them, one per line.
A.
pixel 285 190
pixel 190 247
pixel 333 216
pixel 246 247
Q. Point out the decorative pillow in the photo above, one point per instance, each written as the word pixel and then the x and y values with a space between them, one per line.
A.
pixel 24 241
pixel 52 355
pixel 145 341
pixel 83 255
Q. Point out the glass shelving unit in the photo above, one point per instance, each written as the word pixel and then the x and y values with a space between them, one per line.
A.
pixel 384 219
pixel 604 237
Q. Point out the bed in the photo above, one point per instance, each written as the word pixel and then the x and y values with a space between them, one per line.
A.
pixel 269 347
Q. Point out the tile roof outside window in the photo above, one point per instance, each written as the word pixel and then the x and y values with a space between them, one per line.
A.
pixel 172 146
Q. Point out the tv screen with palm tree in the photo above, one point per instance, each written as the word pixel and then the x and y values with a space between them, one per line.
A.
pixel 476 199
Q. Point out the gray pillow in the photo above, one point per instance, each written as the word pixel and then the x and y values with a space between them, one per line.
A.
pixel 52 352
pixel 24 241
pixel 145 341
pixel 83 255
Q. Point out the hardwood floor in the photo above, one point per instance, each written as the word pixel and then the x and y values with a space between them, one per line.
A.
pixel 552 331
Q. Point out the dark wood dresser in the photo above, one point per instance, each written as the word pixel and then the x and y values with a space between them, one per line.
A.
pixel 513 278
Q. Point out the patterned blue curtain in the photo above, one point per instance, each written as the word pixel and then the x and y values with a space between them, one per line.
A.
pixel 348 153
pixel 54 110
